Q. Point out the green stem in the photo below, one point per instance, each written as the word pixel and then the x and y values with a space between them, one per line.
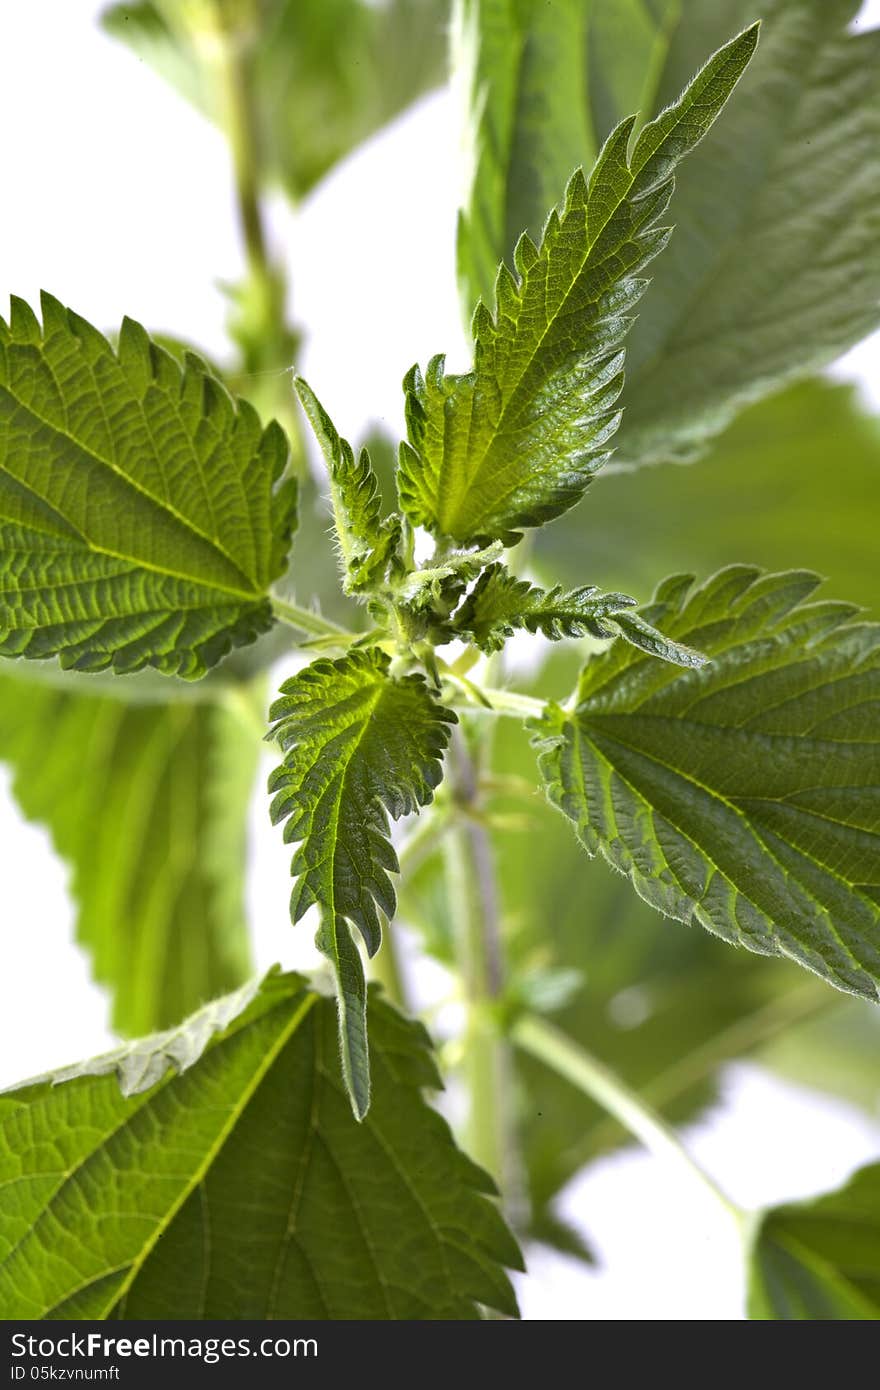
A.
pixel 473 905
pixel 268 344
pixel 241 128
pixel 489 700
pixel 545 1042
pixel 308 621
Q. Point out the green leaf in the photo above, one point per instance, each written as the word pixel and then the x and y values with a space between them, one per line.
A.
pixel 543 85
pixel 359 745
pixel 499 604
pixel 138 1066
pixel 777 451
pixel 367 543
pixel 516 441
pixel 742 796
pixel 146 802
pixel 326 73
pixel 773 270
pixel 820 1260
pixel 237 1186
pixel 646 638
pixel 141 515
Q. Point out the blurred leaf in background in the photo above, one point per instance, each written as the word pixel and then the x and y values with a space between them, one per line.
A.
pixel 327 73
pixel 528 134
pixel 147 804
pixel 773 269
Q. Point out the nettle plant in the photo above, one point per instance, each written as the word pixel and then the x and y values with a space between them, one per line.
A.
pixel 273 1154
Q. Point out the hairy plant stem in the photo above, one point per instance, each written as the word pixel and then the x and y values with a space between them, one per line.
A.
pixel 473 906
pixel 551 1046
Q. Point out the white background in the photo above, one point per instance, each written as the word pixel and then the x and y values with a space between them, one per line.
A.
pixel 117 200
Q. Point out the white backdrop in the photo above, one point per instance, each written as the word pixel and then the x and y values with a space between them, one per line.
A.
pixel 117 200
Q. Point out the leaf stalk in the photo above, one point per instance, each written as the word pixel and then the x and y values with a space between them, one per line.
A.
pixel 490 700
pixel 587 1074
pixel 309 621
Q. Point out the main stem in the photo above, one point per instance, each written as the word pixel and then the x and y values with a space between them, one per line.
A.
pixel 267 342
pixel 594 1079
pixel 241 128
pixel 473 906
